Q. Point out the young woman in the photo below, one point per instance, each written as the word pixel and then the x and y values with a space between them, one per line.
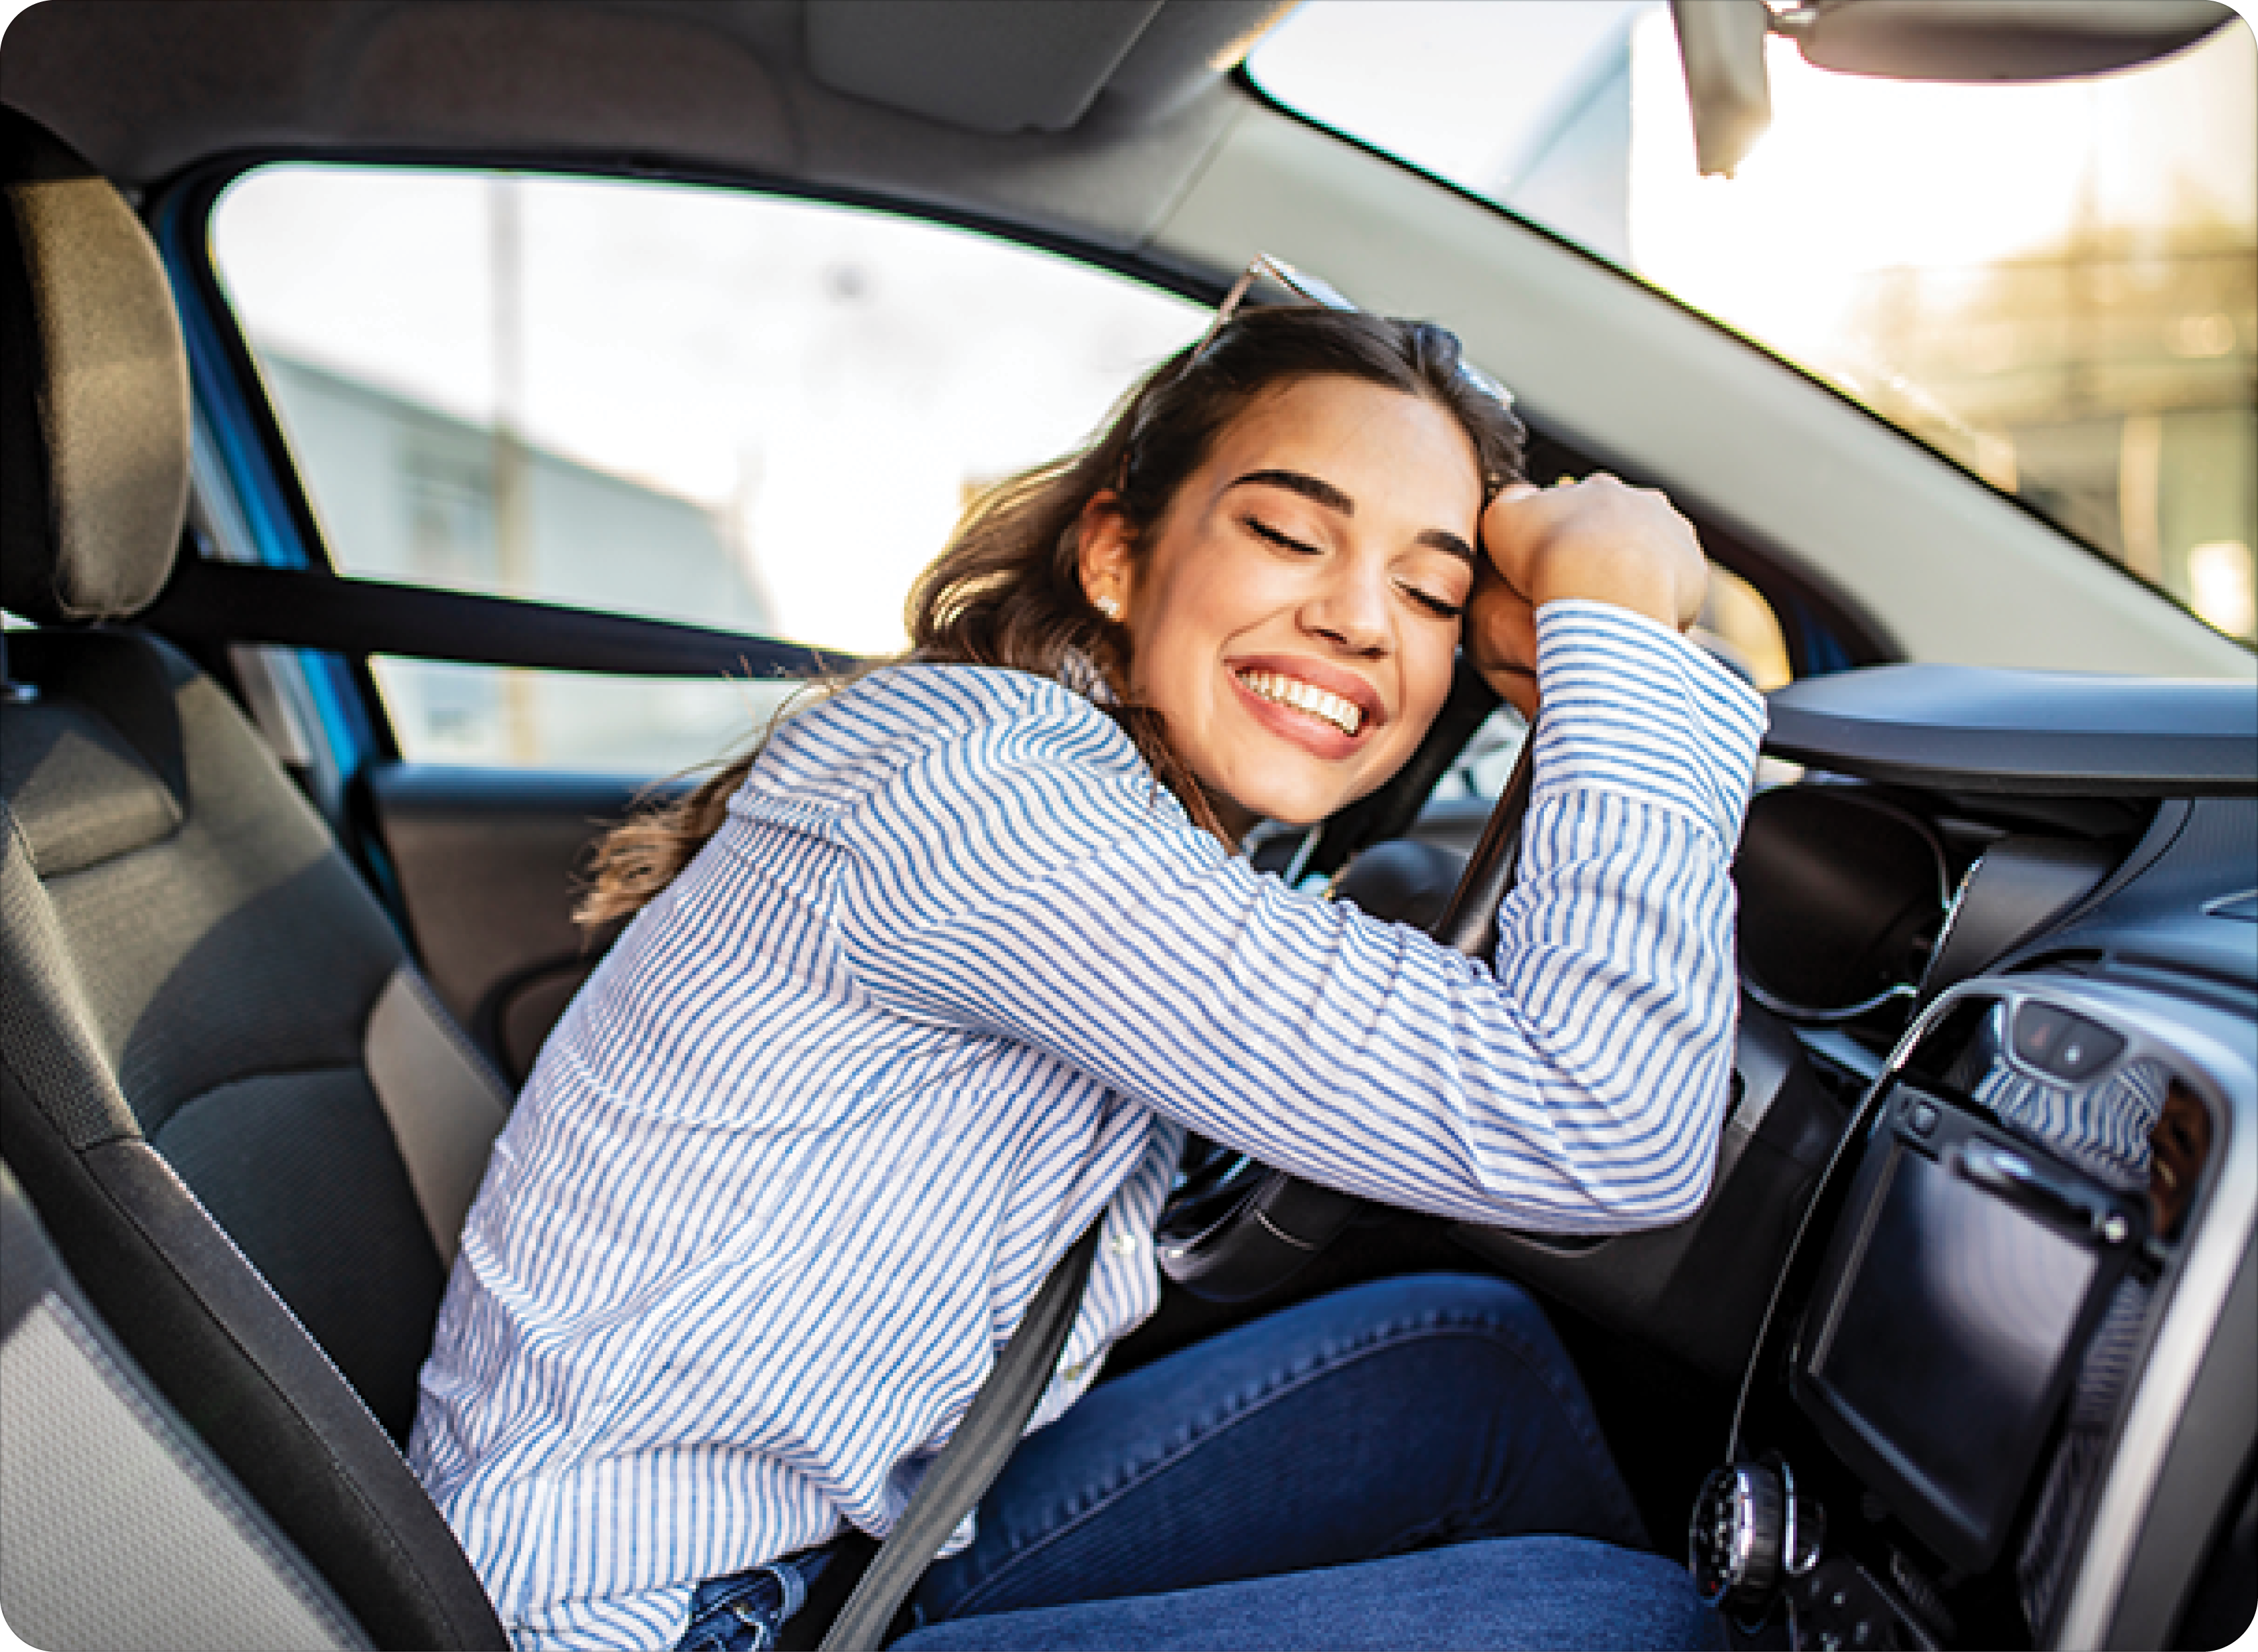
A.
pixel 945 973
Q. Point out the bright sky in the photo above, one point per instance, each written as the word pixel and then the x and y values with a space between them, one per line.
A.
pixel 1856 174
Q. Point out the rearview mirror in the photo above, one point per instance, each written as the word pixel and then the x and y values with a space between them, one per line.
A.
pixel 1720 44
pixel 1994 40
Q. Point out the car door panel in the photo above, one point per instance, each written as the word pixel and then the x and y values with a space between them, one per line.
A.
pixel 484 862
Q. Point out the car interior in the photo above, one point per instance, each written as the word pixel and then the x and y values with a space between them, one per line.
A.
pixel 1962 1350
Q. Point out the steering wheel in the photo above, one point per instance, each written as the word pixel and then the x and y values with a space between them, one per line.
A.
pixel 1235 1228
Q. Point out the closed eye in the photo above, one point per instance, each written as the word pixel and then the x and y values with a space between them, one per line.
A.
pixel 1441 607
pixel 1262 530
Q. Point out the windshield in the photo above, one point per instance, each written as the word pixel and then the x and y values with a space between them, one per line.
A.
pixel 2055 285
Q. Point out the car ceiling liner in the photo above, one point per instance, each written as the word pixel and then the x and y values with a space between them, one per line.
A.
pixel 1007 65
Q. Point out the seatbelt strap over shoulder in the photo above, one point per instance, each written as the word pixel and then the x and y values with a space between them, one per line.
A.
pixel 974 1456
pixel 209 601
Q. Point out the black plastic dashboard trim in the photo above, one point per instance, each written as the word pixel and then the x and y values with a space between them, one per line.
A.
pixel 1995 731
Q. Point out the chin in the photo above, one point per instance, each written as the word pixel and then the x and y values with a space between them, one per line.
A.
pixel 1301 806
pixel 1280 782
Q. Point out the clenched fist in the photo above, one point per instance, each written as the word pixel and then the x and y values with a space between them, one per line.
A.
pixel 1599 539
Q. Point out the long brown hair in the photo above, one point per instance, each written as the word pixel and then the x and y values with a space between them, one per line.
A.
pixel 1006 590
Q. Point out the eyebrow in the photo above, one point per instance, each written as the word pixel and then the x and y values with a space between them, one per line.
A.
pixel 1324 493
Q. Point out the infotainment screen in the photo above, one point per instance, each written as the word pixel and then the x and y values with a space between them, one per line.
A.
pixel 1966 1272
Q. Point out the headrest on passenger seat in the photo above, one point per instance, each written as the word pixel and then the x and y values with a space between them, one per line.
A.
pixel 94 391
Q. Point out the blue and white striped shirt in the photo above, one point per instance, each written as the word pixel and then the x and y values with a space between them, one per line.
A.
pixel 952 979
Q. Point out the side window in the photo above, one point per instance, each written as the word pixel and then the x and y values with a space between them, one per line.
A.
pixel 680 403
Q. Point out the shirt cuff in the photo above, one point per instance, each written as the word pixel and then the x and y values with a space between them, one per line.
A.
pixel 1629 705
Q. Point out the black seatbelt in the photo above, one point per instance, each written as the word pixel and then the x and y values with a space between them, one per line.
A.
pixel 974 1456
pixel 210 601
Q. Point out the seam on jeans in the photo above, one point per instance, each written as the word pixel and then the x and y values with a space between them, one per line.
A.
pixel 727 1616
pixel 1375 1341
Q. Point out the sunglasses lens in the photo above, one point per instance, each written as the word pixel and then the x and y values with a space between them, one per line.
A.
pixel 1489 386
pixel 1308 288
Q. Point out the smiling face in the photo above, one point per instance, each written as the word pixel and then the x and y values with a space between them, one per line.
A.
pixel 1294 613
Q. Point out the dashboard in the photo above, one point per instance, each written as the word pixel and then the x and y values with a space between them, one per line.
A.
pixel 2001 1390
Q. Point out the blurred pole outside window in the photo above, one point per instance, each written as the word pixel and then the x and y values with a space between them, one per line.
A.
pixel 2055 285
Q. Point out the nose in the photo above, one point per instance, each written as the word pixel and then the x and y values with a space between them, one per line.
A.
pixel 1349 607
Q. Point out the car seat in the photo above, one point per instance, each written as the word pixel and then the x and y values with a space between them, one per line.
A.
pixel 98 1475
pixel 250 1130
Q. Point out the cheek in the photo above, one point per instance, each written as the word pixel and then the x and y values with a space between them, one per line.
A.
pixel 1189 605
pixel 1428 662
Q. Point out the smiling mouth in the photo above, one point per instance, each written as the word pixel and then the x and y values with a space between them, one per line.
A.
pixel 1306 698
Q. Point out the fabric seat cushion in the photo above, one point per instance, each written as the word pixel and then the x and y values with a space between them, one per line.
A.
pixel 227 966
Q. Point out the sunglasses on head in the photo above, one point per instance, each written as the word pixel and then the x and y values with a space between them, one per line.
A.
pixel 1301 290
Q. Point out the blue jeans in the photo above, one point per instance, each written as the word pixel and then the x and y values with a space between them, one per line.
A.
pixel 1359 1471
pixel 1365 1469
pixel 742 1613
pixel 1511 1594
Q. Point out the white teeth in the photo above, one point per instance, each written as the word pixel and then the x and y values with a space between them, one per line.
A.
pixel 1346 715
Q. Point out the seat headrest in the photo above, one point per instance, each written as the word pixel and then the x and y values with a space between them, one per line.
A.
pixel 94 391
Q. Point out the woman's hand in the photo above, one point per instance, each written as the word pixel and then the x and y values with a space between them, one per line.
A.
pixel 1599 539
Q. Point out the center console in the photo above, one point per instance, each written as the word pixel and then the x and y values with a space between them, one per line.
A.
pixel 1983 1287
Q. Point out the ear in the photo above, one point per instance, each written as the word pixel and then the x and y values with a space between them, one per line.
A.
pixel 1103 546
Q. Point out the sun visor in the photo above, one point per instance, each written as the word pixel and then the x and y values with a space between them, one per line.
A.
pixel 1008 66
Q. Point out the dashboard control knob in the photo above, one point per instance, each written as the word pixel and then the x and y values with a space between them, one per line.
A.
pixel 1737 1542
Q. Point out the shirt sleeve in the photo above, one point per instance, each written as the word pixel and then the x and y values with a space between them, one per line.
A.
pixel 1032 882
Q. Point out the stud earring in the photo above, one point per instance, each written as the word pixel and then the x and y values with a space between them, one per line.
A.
pixel 1110 607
